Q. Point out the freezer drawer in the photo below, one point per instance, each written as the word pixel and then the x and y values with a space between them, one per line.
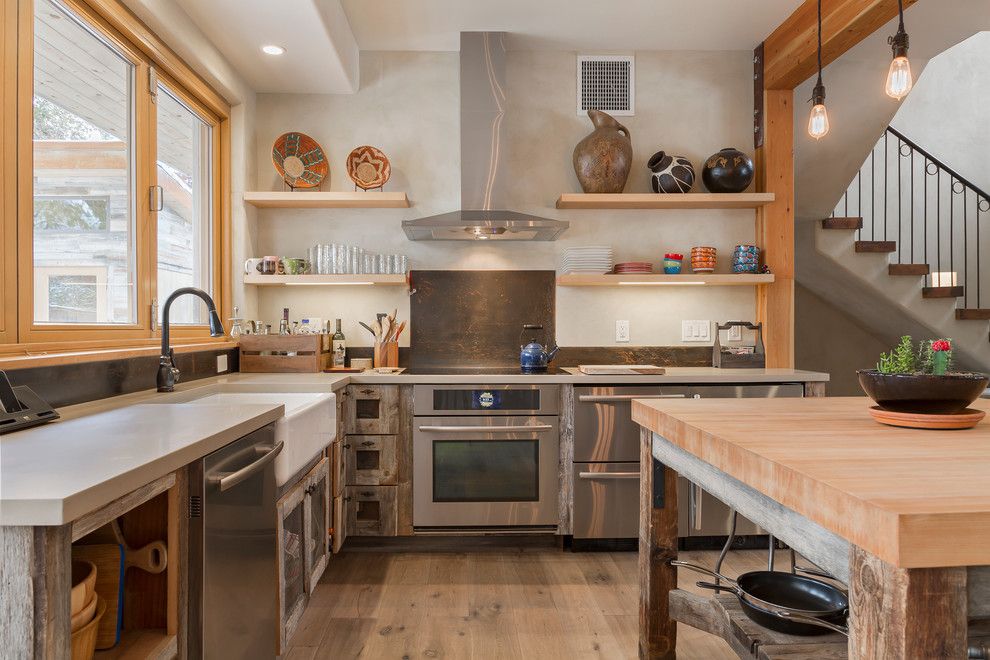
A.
pixel 603 426
pixel 606 500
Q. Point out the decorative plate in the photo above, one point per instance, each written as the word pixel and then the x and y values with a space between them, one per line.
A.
pixel 299 160
pixel 368 167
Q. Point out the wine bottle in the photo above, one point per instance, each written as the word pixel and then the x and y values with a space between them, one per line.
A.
pixel 339 347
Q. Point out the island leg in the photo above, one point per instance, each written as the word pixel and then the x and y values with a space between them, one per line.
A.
pixel 657 545
pixel 905 613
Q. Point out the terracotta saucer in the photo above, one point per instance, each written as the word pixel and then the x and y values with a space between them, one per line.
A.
pixel 964 419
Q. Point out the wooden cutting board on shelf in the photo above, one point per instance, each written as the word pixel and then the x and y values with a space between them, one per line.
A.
pixel 621 370
pixel 109 561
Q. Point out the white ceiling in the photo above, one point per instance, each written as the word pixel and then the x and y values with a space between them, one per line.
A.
pixel 321 56
pixel 568 24
pixel 322 38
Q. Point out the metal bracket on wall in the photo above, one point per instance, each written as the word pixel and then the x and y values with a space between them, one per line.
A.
pixel 758 96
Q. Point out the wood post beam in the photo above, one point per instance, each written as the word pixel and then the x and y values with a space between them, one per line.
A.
pixel 790 52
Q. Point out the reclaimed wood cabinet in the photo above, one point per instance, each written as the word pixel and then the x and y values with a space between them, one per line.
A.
pixel 372 409
pixel 371 510
pixel 370 460
pixel 317 527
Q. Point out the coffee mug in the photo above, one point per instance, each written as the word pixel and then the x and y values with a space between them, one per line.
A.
pixel 252 265
pixel 269 265
pixel 295 266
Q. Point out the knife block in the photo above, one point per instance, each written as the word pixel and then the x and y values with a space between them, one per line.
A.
pixel 387 354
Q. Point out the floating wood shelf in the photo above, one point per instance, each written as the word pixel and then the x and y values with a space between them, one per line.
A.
pixel 663 201
pixel 327 200
pixel 326 280
pixel 701 279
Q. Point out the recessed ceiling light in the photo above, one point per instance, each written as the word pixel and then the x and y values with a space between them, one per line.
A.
pixel 272 50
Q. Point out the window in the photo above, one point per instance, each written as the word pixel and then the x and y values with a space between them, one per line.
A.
pixel 120 161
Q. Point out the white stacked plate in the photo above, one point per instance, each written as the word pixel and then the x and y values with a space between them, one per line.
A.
pixel 592 259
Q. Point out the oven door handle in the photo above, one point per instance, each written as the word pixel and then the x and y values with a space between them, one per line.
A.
pixel 608 475
pixel 485 429
pixel 612 398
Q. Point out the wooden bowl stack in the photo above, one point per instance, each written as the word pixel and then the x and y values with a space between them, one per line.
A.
pixel 86 610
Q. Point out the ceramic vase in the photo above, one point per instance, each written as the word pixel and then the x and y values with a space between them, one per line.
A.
pixel 728 171
pixel 602 159
pixel 671 174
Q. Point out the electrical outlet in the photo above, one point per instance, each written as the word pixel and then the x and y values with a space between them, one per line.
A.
pixel 622 331
pixel 221 364
pixel 696 331
pixel 735 333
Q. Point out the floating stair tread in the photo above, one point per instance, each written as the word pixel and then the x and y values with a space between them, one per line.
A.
pixel 942 292
pixel 842 223
pixel 973 314
pixel 908 269
pixel 876 246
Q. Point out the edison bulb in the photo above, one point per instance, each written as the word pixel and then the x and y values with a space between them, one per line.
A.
pixel 899 80
pixel 818 122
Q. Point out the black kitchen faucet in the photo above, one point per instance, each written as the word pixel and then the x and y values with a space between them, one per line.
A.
pixel 168 374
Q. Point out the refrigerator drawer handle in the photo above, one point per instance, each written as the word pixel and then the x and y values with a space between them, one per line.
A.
pixel 228 480
pixel 608 398
pixel 608 475
pixel 485 429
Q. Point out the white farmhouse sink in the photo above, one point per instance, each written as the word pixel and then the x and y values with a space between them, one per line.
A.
pixel 309 424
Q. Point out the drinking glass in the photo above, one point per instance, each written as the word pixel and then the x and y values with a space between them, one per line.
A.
pixel 403 264
pixel 368 264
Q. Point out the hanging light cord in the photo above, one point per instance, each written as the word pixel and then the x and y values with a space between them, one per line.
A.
pixel 820 42
pixel 900 14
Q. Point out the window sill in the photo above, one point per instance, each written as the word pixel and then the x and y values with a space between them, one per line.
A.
pixel 25 357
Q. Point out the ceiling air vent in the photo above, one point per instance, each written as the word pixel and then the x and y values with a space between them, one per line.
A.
pixel 605 82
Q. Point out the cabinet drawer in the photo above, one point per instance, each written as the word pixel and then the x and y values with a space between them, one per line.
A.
pixel 373 409
pixel 339 523
pixel 370 460
pixel 371 510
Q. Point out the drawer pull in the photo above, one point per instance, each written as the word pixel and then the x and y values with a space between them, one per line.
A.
pixel 368 443
pixel 617 398
pixel 486 429
pixel 608 475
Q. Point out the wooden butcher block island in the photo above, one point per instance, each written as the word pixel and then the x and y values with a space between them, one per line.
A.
pixel 900 515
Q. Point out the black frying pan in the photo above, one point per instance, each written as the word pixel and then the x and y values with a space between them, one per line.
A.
pixel 785 602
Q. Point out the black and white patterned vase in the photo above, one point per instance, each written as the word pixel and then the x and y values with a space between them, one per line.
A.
pixel 671 174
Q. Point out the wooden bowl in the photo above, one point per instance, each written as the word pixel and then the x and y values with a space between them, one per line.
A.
pixel 84 616
pixel 922 393
pixel 84 639
pixel 83 585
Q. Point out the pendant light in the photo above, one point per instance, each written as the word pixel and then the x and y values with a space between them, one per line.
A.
pixel 899 80
pixel 818 122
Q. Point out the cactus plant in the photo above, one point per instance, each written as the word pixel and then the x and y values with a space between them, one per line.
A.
pixel 933 357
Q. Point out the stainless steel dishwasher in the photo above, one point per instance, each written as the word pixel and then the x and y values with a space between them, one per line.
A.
pixel 606 462
pixel 232 545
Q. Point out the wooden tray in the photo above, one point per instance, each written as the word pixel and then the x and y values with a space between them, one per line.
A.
pixel 965 419
pixel 269 353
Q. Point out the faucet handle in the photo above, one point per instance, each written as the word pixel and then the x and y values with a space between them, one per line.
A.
pixel 174 369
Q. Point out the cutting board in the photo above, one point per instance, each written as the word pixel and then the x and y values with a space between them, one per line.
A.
pixel 109 561
pixel 621 369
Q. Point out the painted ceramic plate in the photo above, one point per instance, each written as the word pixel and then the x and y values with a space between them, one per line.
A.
pixel 299 160
pixel 368 167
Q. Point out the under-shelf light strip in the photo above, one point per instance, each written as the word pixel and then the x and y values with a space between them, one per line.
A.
pixel 681 283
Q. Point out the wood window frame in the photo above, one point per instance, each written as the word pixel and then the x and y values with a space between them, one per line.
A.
pixel 147 52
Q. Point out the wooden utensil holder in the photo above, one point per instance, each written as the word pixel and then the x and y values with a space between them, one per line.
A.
pixel 271 353
pixel 387 354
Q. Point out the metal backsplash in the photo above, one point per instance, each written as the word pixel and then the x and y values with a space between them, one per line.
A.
pixel 472 318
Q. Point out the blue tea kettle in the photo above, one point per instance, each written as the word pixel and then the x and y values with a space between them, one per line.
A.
pixel 533 357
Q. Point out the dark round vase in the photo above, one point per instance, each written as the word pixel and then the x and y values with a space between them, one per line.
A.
pixel 922 393
pixel 728 171
pixel 671 174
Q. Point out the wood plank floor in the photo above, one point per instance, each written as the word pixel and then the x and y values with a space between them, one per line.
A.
pixel 515 604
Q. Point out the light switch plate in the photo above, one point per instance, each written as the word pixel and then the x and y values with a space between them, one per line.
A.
pixel 696 331
pixel 221 364
pixel 622 331
pixel 735 333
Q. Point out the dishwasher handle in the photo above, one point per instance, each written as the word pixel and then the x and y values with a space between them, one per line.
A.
pixel 613 398
pixel 227 480
pixel 608 475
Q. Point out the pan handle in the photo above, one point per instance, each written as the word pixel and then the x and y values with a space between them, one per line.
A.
pixel 721 587
pixel 700 569
pixel 815 621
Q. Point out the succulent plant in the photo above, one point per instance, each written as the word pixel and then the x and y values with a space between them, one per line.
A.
pixel 932 357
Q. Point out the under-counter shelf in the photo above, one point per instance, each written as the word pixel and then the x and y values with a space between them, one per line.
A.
pixel 141 644
pixel 327 200
pixel 326 280
pixel 700 279
pixel 632 201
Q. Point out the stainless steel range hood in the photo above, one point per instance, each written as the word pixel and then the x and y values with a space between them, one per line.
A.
pixel 483 214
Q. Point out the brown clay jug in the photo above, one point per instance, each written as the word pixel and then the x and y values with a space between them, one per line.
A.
pixel 602 160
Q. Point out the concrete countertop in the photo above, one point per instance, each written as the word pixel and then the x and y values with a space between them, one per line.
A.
pixel 101 450
pixel 53 474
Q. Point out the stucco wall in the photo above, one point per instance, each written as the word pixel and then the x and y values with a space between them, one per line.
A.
pixel 690 103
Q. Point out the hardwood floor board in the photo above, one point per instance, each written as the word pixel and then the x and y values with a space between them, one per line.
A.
pixel 346 638
pixel 493 605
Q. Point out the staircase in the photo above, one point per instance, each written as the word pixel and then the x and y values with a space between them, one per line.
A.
pixel 917 233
